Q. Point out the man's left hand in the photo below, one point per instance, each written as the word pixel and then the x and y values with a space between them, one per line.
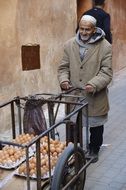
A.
pixel 89 88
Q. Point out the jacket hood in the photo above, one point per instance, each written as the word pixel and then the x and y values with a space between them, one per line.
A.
pixel 99 34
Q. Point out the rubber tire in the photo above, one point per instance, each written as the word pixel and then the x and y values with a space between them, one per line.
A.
pixel 58 175
pixel 46 185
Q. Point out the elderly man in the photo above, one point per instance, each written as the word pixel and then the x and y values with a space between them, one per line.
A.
pixel 87 63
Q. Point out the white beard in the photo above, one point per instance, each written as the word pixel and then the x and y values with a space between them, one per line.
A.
pixel 84 38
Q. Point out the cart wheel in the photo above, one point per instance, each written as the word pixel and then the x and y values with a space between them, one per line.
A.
pixel 46 185
pixel 65 170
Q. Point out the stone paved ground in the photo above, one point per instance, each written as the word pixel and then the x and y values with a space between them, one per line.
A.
pixel 109 173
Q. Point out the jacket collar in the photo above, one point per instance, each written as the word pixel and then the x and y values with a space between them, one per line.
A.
pixel 91 50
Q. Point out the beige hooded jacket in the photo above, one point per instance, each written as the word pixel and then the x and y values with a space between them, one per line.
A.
pixel 95 69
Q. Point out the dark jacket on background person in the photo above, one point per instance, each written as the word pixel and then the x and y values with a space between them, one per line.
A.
pixel 103 21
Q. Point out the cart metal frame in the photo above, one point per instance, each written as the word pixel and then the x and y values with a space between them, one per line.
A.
pixel 49 100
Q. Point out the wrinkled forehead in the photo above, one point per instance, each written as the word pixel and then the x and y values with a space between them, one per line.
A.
pixel 86 24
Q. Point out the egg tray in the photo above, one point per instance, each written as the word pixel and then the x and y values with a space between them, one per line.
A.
pixel 13 165
pixel 46 176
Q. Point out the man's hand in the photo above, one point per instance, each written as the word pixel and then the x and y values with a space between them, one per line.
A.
pixel 65 85
pixel 89 88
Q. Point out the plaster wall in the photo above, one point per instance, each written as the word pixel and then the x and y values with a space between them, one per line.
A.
pixel 117 9
pixel 47 23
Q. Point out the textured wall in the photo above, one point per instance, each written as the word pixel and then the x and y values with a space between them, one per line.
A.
pixel 117 9
pixel 48 23
pixel 82 6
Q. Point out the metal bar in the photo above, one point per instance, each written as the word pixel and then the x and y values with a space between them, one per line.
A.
pixel 13 120
pixel 58 101
pixel 5 104
pixel 67 111
pixel 49 159
pixel 17 101
pixel 27 168
pixel 14 144
pixel 51 118
pixel 79 125
pixel 38 163
pixel 75 147
pixel 87 128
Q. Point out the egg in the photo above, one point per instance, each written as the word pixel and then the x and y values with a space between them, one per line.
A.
pixel 12 158
pixel 33 160
pixel 32 172
pixel 16 156
pixel 58 150
pixel 55 154
pixel 52 149
pixel 43 162
pixel 43 172
pixel 44 152
pixel 32 166
pixel 11 151
pixel 20 170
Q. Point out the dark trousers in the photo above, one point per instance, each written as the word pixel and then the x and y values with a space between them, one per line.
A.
pixel 96 138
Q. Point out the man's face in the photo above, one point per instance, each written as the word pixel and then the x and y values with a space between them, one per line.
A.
pixel 86 30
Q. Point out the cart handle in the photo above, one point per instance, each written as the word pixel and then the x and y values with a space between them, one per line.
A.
pixel 71 90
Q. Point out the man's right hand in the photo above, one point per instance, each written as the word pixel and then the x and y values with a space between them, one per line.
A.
pixel 65 85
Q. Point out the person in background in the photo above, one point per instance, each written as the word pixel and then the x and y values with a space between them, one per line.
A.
pixel 87 63
pixel 102 17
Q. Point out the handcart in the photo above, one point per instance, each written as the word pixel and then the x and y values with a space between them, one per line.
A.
pixel 67 169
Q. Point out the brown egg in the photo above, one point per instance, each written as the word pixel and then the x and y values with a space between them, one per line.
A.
pixel 61 146
pixel 33 160
pixel 4 161
pixel 55 154
pixel 43 162
pixel 58 150
pixel 32 172
pixel 16 156
pixel 3 157
pixel 52 149
pixel 41 149
pixel 43 172
pixel 44 152
pixel 56 141
pixel 25 171
pixel 10 151
pixel 32 166
pixel 20 170
pixel 23 152
pixel 12 158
